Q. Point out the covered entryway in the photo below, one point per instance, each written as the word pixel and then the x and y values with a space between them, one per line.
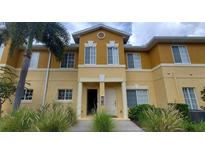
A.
pixel 91 101
pixel 96 96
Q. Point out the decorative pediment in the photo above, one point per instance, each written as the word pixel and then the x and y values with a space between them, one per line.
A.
pixel 90 44
pixel 112 44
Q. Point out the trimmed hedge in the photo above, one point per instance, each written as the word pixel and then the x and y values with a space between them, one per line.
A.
pixel 136 112
pixel 183 109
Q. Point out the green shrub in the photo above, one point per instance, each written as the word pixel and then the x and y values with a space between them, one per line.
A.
pixel 22 120
pixel 165 120
pixel 55 118
pixel 183 109
pixel 103 122
pixel 194 127
pixel 135 113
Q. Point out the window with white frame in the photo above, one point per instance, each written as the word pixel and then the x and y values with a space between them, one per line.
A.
pixel 1 50
pixel 68 60
pixel 90 52
pixel 65 94
pixel 27 95
pixel 113 52
pixel 137 96
pixel 134 61
pixel 34 60
pixel 180 54
pixel 190 98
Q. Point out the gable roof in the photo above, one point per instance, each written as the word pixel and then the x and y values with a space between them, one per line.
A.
pixel 166 39
pixel 76 35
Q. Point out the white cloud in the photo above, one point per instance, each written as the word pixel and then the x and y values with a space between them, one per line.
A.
pixel 142 32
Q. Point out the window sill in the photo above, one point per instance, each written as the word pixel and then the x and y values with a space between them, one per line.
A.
pixel 26 101
pixel 64 101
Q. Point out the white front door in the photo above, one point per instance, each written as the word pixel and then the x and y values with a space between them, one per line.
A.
pixel 110 101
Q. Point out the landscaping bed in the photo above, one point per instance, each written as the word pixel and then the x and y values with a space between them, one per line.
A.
pixel 174 118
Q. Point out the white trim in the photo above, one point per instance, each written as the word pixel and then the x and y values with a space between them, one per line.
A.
pixel 51 69
pixel 63 101
pixel 110 79
pixel 136 86
pixel 26 101
pixel 100 66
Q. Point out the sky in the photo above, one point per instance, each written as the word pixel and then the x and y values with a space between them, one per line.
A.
pixel 142 32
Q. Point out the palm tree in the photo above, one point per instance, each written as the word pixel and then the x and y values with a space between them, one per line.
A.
pixel 52 34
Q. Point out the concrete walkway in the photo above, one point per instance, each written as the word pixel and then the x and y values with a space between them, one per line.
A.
pixel 120 126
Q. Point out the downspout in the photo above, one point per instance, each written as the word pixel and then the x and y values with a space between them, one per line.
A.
pixel 46 79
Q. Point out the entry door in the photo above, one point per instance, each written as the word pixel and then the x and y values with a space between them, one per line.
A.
pixel 110 101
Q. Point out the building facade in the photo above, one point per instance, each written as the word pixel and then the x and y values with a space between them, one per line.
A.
pixel 102 70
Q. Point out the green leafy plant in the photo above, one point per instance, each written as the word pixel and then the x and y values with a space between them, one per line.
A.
pixel 22 120
pixel 135 113
pixel 165 120
pixel 103 122
pixel 183 109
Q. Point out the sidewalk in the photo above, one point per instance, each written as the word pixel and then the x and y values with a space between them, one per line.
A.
pixel 120 126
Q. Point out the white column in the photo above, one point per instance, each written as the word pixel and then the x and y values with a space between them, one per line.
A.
pixel 79 100
pixel 124 99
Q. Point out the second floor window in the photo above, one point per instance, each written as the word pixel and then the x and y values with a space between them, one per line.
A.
pixel 112 52
pixel 134 60
pixel 113 55
pixel 68 60
pixel 34 60
pixel 180 54
pixel 90 52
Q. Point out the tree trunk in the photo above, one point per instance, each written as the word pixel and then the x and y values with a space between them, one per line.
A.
pixel 23 75
pixel 21 83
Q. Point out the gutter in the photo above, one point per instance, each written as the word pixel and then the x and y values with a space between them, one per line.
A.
pixel 46 79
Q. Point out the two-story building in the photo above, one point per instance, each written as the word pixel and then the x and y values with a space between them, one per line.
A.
pixel 101 69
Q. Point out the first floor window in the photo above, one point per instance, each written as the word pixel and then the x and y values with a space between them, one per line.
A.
pixel 1 50
pixel 134 60
pixel 68 60
pixel 113 55
pixel 90 55
pixel 65 94
pixel 34 60
pixel 190 98
pixel 137 96
pixel 180 54
pixel 28 94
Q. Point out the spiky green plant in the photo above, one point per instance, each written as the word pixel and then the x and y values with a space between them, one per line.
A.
pixel 103 122
pixel 20 121
pixel 55 118
pixel 162 120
